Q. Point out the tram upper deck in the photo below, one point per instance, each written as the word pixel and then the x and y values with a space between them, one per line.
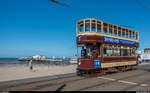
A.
pixel 95 27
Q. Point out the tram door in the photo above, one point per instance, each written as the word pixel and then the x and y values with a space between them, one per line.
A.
pixel 95 51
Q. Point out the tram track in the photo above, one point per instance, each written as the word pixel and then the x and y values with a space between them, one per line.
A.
pixel 108 82
pixel 59 82
pixel 43 84
pixel 53 84
pixel 139 84
pixel 71 81
pixel 4 87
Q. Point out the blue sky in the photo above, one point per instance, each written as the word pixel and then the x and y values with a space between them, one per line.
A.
pixel 29 27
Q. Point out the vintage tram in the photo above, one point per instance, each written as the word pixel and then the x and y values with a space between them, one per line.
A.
pixel 103 47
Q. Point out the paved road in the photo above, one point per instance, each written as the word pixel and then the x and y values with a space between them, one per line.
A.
pixel 134 80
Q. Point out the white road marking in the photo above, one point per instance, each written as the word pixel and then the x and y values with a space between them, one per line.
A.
pixel 122 81
pixel 107 78
pixel 144 85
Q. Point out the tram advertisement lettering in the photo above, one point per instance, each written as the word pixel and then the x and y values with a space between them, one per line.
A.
pixel 118 41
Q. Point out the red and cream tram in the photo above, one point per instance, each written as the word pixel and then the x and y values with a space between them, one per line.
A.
pixel 104 47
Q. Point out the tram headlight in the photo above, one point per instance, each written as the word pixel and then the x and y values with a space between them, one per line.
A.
pixel 79 63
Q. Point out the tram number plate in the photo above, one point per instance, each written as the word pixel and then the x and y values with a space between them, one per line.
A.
pixel 97 63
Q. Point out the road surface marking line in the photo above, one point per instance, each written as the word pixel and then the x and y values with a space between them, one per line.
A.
pixel 107 78
pixel 122 81
pixel 144 85
pixel 127 82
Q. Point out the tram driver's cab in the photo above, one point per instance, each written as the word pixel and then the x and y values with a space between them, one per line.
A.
pixel 87 54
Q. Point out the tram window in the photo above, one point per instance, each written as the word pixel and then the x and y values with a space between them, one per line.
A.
pixel 116 51
pixel 87 21
pixel 129 52
pixel 98 27
pixel 133 36
pixel 93 27
pixel 124 52
pixel 105 30
pixel 85 52
pixel 88 52
pixel 136 35
pixel 80 28
pixel 104 51
pixel 132 51
pixel 127 34
pixel 109 51
pixel 130 35
pixel 110 31
pixel 119 33
pixel 79 52
pixel 115 32
pixel 93 21
pixel 87 27
pixel 123 34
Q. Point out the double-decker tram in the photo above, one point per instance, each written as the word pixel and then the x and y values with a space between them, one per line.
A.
pixel 103 47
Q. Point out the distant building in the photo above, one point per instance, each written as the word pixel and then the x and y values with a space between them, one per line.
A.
pixel 39 57
pixel 73 60
pixel 147 50
pixel 64 57
pixel 144 54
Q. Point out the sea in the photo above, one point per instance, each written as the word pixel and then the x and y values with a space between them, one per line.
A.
pixel 14 61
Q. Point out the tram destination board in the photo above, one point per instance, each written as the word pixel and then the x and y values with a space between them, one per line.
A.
pixel 118 41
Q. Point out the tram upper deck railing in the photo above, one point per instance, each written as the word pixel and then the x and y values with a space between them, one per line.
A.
pixel 98 27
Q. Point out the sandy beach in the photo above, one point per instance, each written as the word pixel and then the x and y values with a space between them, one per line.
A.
pixel 8 73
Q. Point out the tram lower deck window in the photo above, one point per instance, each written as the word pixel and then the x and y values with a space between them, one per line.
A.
pixel 107 50
pixel 124 52
pixel 116 52
pixel 104 51
pixel 132 51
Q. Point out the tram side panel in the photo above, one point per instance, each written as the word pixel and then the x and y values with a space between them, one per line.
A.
pixel 118 61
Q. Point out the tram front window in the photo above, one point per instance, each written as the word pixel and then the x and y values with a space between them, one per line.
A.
pixel 80 26
pixel 87 26
pixel 88 52
pixel 84 52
